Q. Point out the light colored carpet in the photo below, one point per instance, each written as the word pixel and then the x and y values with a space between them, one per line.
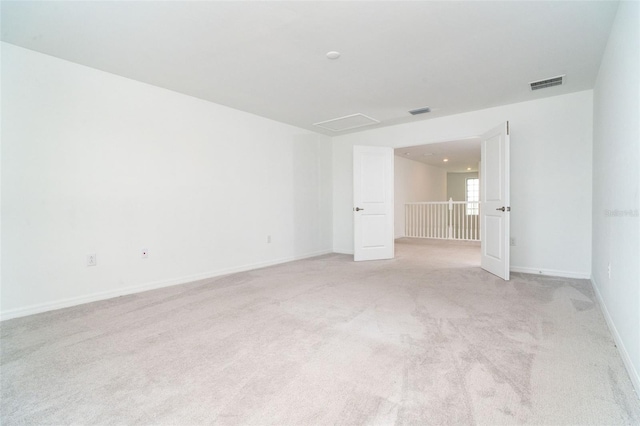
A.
pixel 426 338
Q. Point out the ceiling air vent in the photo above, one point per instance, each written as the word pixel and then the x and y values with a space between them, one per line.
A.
pixel 548 82
pixel 420 111
pixel 347 122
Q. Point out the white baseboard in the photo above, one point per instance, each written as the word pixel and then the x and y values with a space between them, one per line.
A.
pixel 343 250
pixel 94 297
pixel 626 359
pixel 550 272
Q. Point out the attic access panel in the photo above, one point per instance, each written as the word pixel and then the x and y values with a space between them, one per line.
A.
pixel 347 122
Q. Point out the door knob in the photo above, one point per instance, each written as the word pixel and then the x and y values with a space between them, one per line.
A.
pixel 500 208
pixel 358 209
pixel 504 209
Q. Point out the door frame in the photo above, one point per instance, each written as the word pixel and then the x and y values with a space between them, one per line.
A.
pixel 457 139
pixel 480 175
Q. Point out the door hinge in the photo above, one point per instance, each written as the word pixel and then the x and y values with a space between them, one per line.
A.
pixel 507 127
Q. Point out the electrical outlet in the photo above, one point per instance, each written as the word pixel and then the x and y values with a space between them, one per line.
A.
pixel 268 239
pixel 144 253
pixel 92 260
pixel 512 241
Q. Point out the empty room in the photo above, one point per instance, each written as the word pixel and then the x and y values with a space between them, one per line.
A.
pixel 237 213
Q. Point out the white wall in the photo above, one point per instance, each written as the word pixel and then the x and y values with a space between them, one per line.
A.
pixel 415 181
pixel 616 184
pixel 551 143
pixel 96 163
pixel 457 185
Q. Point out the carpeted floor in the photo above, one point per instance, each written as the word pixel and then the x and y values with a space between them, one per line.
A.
pixel 426 338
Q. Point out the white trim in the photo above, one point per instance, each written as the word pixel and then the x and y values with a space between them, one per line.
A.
pixel 343 250
pixel 550 272
pixel 626 359
pixel 74 301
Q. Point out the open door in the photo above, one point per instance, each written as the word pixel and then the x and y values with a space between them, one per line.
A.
pixel 494 201
pixel 373 203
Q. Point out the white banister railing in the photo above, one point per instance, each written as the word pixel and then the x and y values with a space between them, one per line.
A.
pixel 451 220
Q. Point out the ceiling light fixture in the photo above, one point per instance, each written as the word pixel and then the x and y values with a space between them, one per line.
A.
pixel 407 153
pixel 333 54
pixel 468 168
pixel 445 160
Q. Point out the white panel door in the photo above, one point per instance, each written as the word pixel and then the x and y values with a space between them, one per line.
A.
pixel 373 203
pixel 494 201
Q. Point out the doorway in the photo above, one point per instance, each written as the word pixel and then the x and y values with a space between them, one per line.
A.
pixel 489 206
pixel 437 190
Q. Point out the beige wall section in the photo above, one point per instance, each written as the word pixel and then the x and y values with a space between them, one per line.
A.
pixel 415 181
pixel 456 185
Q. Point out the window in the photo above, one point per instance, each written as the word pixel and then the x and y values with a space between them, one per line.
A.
pixel 473 196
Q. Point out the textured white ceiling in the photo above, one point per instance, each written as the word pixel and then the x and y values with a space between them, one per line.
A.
pixel 268 58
